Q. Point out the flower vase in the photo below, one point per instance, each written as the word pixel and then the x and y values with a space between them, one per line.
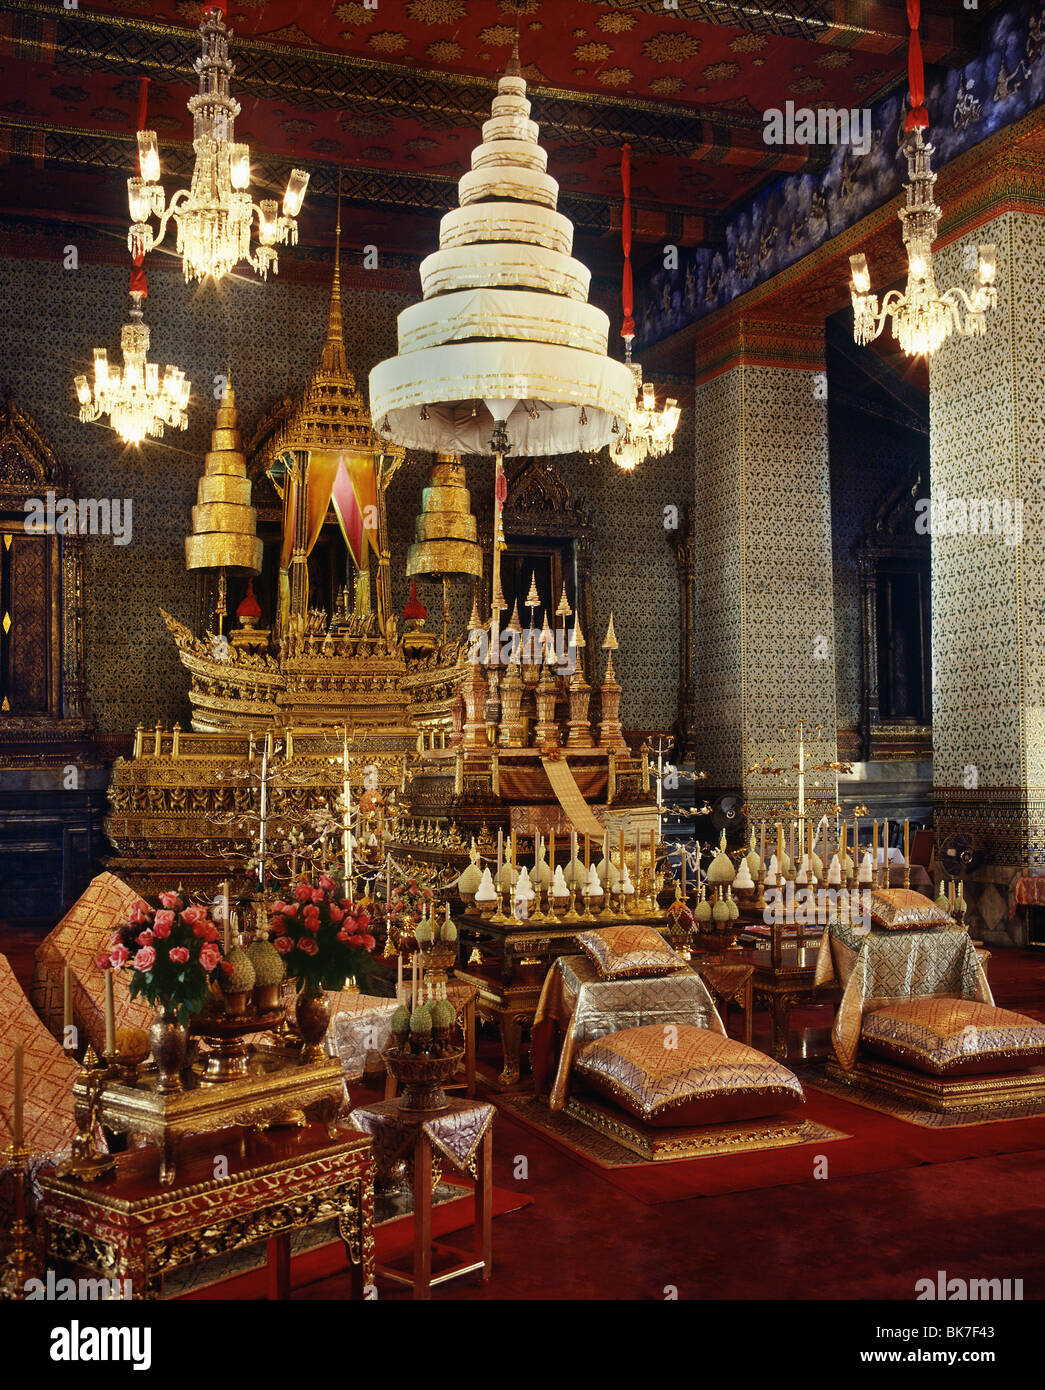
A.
pixel 169 1042
pixel 313 1019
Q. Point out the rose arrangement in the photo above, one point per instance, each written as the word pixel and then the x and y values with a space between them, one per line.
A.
pixel 171 951
pixel 323 937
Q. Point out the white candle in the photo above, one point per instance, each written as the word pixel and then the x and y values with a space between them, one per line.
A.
pixel 399 977
pixel 226 916
pixel 500 853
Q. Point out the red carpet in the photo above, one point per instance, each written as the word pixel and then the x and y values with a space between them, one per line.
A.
pixel 879 1143
pixel 393 1240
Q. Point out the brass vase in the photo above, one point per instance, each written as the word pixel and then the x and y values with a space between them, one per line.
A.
pixel 313 1020
pixel 169 1041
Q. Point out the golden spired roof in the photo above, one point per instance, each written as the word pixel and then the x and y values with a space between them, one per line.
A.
pixel 332 415
pixel 504 354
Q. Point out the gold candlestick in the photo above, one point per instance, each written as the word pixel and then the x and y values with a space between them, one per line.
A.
pixel 22 1262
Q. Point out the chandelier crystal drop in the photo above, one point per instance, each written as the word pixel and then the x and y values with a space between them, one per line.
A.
pixel 215 216
pixel 922 318
pixel 137 402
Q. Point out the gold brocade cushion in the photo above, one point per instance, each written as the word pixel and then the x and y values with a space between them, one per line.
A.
pixel 629 950
pixel 902 909
pixel 945 1036
pixel 678 1075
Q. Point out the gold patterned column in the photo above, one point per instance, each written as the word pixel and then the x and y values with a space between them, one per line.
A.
pixel 764 605
pixel 987 468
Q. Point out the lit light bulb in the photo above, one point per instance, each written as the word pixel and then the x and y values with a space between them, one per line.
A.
pixel 148 156
pixel 239 165
pixel 861 274
pixel 295 194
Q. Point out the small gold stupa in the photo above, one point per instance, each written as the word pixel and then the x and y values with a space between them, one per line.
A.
pixel 224 524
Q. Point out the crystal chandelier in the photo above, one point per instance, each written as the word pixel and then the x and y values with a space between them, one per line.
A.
pixel 922 318
pixel 137 402
pixel 215 215
pixel 648 432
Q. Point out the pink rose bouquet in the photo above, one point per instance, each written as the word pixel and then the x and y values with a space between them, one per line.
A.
pixel 170 952
pixel 324 938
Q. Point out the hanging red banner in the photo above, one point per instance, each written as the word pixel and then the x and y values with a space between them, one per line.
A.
pixel 627 291
pixel 917 117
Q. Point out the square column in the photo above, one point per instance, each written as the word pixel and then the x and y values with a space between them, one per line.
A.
pixel 765 602
pixel 987 467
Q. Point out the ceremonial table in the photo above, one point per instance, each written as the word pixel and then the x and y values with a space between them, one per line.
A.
pixel 132 1225
pixel 515 962
pixel 731 982
pixel 461 1134
pixel 782 979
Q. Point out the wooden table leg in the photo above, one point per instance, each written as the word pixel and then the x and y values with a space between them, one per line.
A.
pixel 279 1266
pixel 391 1086
pixel 484 1207
pixel 422 1216
pixel 469 1049
pixel 781 1011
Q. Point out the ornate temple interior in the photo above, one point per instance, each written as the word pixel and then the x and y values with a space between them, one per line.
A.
pixel 522 765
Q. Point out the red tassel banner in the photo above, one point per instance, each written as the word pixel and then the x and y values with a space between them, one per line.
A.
pixel 917 117
pixel 627 293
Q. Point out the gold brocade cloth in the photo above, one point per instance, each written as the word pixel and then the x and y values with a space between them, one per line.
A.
pixel 878 965
pixel 586 1006
pixel 568 794
pixel 727 978
pixel 455 1133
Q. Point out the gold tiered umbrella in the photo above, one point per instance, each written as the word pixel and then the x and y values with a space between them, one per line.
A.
pixel 504 354
pixel 445 545
pixel 224 524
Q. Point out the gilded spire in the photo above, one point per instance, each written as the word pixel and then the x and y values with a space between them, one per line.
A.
pixel 333 361
pixel 609 643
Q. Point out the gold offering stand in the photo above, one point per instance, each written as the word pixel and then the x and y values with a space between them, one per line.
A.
pixel 270 1089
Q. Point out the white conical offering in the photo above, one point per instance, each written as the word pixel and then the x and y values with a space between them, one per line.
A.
pixel 523 887
pixel 866 868
pixel 625 887
pixel 486 892
pixel 802 877
pixel 773 872
pixel 834 872
pixel 560 888
pixel 743 878
pixel 471 874
pixel 504 354
pixel 594 888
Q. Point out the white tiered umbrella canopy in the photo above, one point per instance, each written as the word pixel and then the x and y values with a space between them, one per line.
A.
pixel 504 354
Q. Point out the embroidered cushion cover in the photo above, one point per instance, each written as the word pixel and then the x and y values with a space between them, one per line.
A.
pixel 706 1079
pixel 629 950
pixel 944 1036
pixel 902 909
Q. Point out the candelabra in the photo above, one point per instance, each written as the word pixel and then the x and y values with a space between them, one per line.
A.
pixel 215 215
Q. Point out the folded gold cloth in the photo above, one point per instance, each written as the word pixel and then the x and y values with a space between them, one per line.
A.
pixel 454 1133
pixel 885 965
pixel 77 940
pixel 585 1006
